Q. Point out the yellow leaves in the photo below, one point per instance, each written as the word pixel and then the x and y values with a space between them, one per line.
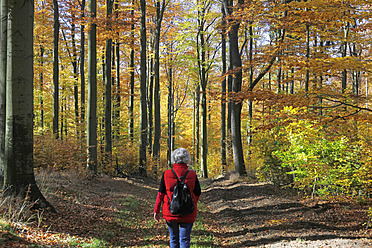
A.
pixel 275 222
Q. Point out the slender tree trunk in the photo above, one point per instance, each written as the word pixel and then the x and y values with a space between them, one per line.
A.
pixel 55 69
pixel 42 88
pixel 279 77
pixel 92 93
pixel 3 63
pixel 131 90
pixel 343 54
pixel 203 84
pixel 223 91
pixel 150 101
pixel 75 75
pixel 307 76
pixel 19 172
pixel 197 123
pixel 157 111
pixel 235 64
pixel 118 90
pixel 249 102
pixel 108 91
pixel 116 82
pixel 143 107
pixel 82 73
pixel 236 68
pixel 291 87
pixel 170 111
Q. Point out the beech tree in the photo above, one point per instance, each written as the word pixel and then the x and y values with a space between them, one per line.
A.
pixel 235 68
pixel 56 69
pixel 92 93
pixel 3 50
pixel 108 90
pixel 223 92
pixel 143 105
pixel 82 71
pixel 160 8
pixel 19 176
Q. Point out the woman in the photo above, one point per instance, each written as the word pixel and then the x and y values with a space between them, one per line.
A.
pixel 179 225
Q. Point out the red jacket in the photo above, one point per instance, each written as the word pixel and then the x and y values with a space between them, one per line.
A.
pixel 167 183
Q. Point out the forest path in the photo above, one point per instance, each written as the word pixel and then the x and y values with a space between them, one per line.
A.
pixel 118 212
pixel 263 215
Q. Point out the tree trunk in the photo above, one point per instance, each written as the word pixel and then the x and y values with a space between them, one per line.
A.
pixel 19 172
pixel 197 123
pixel 150 101
pixel 143 107
pixel 249 102
pixel 82 73
pixel 55 69
pixel 3 60
pixel 223 91
pixel 92 93
pixel 117 92
pixel 42 89
pixel 343 54
pixel 108 94
pixel 131 90
pixel 157 111
pixel 235 68
pixel 235 64
pixel 75 75
pixel 170 111
pixel 203 83
pixel 307 75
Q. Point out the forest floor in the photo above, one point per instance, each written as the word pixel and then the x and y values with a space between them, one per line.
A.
pixel 118 212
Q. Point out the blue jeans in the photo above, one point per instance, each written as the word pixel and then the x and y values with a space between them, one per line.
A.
pixel 179 234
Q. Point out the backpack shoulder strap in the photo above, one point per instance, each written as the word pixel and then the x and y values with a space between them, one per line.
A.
pixel 184 177
pixel 175 174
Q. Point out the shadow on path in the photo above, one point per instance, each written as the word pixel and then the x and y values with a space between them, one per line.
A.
pixel 248 215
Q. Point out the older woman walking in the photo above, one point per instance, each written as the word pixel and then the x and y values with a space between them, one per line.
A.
pixel 179 225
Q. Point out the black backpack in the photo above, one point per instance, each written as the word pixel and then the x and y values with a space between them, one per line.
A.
pixel 182 202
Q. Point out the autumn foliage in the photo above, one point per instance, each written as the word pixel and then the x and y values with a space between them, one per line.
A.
pixel 306 69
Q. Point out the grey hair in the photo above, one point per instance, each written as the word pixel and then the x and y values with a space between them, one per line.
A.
pixel 180 156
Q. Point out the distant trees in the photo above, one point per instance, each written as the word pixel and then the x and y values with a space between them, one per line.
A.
pixel 269 57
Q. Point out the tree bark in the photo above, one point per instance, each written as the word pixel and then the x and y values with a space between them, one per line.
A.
pixel 203 83
pixel 75 75
pixel 92 93
pixel 150 104
pixel 117 92
pixel 235 68
pixel 55 69
pixel 343 54
pixel 143 105
pixel 82 72
pixel 131 87
pixel 307 75
pixel 160 8
pixel 3 60
pixel 19 171
pixel 108 91
pixel 223 91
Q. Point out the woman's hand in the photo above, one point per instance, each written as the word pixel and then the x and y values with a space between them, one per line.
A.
pixel 157 216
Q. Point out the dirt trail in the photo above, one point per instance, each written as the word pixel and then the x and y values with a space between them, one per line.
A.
pixel 117 212
pixel 262 215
